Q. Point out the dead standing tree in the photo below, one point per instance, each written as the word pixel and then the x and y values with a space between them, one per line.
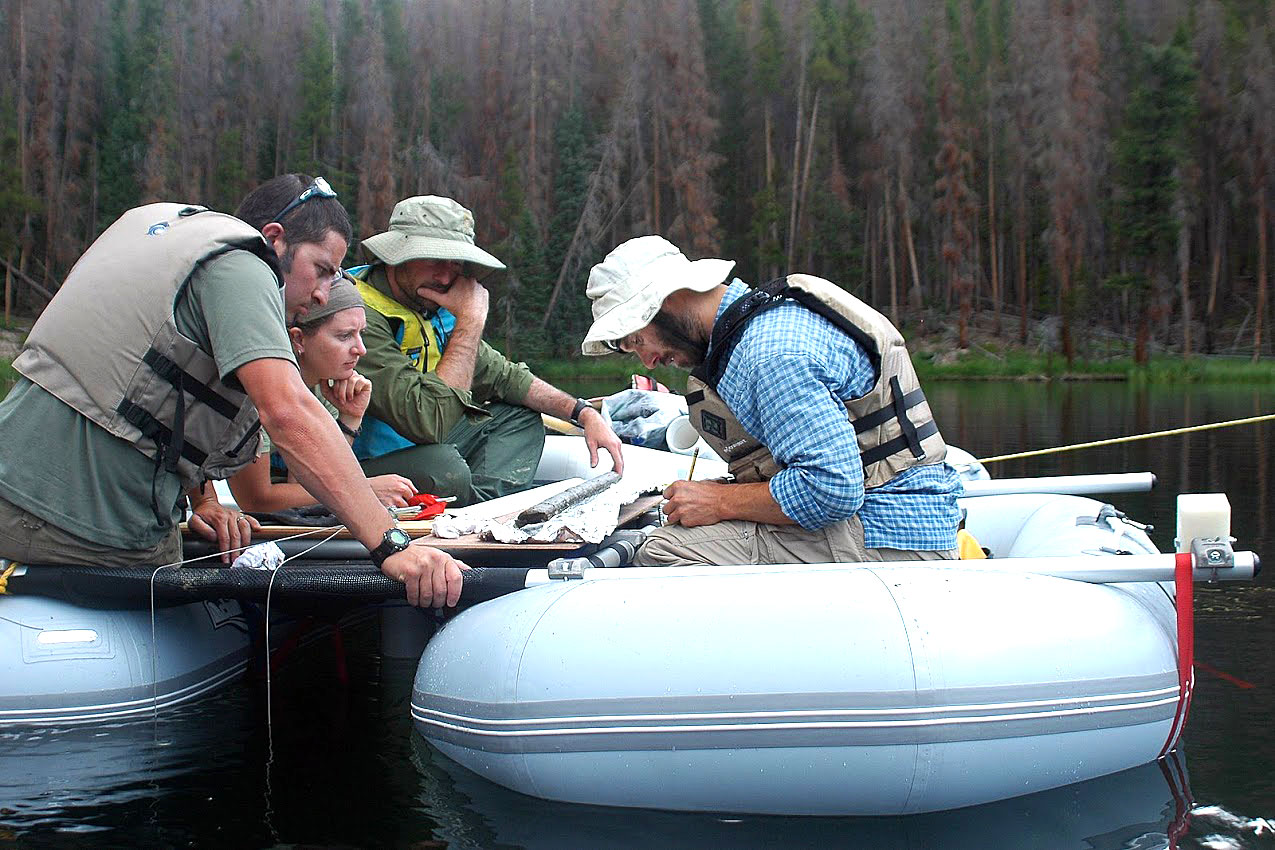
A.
pixel 1070 149
pixel 955 204
pixel 895 73
pixel 1257 156
pixel 601 201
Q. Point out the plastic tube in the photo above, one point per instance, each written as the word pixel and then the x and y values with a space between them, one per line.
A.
pixel 683 439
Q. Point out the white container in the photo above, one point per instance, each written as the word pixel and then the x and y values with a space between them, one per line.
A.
pixel 682 438
pixel 1202 515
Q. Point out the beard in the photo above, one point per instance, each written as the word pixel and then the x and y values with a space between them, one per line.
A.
pixel 683 335
pixel 420 304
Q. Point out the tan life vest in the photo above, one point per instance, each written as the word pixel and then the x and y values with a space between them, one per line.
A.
pixel 108 345
pixel 893 422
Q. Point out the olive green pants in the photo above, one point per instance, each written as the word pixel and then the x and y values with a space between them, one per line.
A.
pixel 482 459
pixel 740 542
pixel 28 539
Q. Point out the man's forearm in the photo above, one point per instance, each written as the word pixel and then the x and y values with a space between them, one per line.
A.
pixel 544 397
pixel 753 502
pixel 314 447
pixel 456 367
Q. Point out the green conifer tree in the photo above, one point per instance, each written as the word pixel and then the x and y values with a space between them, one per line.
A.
pixel 577 157
pixel 1150 150
pixel 311 126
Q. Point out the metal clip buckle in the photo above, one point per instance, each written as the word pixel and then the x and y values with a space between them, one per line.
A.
pixel 564 569
pixel 1213 553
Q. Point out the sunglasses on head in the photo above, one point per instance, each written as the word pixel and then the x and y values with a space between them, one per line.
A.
pixel 320 189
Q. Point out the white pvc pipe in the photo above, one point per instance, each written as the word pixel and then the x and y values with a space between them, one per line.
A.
pixel 681 437
pixel 1072 485
pixel 1105 569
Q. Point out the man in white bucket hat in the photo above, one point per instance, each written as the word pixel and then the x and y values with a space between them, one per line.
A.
pixel 449 411
pixel 805 391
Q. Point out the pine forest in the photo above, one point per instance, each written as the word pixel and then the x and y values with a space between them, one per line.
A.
pixel 1082 175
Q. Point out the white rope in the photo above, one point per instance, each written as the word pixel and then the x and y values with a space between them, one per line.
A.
pixel 269 593
pixel 335 529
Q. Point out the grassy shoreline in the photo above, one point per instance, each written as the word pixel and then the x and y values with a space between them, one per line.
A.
pixel 1013 366
pixel 1165 369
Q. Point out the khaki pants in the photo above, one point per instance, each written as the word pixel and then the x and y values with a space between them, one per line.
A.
pixel 740 542
pixel 28 539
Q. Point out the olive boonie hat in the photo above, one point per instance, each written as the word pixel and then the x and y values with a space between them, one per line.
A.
pixel 428 227
pixel 629 287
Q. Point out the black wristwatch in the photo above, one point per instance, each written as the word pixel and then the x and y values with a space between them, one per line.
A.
pixel 581 404
pixel 395 540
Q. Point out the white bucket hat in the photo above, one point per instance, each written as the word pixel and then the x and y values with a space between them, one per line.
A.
pixel 428 227
pixel 629 287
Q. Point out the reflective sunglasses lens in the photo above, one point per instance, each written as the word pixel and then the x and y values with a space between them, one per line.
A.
pixel 321 187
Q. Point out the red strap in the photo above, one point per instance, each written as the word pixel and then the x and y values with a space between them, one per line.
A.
pixel 1176 778
pixel 430 505
pixel 1184 598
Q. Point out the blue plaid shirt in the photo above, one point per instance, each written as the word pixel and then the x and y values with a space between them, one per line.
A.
pixel 785 382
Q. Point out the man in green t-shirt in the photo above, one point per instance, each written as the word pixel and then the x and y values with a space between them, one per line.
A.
pixel 449 411
pixel 80 485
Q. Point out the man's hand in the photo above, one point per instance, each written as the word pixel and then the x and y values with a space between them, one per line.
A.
pixel 231 529
pixel 693 503
pixel 598 434
pixel 350 396
pixel 466 299
pixel 392 490
pixel 431 576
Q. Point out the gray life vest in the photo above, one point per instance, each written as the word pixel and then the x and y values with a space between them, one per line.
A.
pixel 108 345
pixel 893 422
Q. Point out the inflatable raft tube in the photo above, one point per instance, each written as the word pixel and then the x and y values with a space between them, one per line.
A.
pixel 882 690
pixel 1131 809
pixel 827 689
pixel 67 664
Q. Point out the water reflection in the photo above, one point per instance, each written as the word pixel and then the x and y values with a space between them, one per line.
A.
pixel 1003 418
pixel 93 778
pixel 342 765
pixel 1137 808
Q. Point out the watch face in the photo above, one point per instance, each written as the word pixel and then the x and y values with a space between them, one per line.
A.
pixel 398 537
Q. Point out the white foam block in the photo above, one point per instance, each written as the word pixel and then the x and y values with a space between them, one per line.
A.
pixel 1202 515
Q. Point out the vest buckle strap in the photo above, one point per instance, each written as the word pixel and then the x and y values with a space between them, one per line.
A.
pixel 883 415
pixel 157 432
pixel 182 380
pixel 901 413
pixel 898 444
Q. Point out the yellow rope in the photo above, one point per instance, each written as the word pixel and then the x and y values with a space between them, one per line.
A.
pixel 1250 420
pixel 4 577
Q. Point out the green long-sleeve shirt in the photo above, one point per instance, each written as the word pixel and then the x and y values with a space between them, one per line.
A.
pixel 421 406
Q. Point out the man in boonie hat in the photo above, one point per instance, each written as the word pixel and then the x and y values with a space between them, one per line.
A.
pixel 449 411
pixel 806 392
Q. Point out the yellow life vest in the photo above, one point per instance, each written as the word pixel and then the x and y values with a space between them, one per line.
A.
pixel 417 337
pixel 420 340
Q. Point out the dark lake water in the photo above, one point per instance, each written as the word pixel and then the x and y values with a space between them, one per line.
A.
pixel 341 767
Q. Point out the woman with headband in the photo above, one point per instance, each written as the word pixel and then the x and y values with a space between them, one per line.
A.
pixel 328 344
